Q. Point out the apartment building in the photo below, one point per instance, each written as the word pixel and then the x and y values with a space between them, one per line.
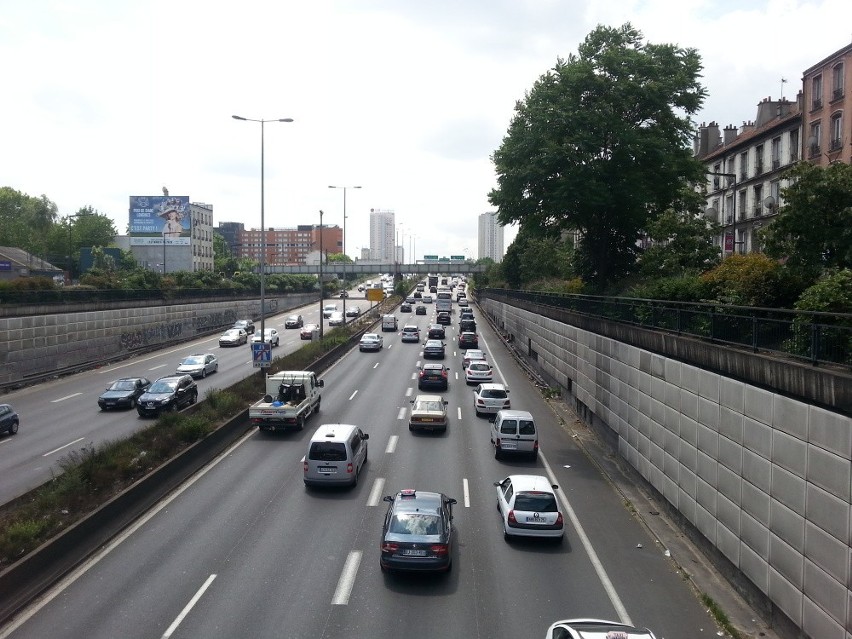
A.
pixel 490 237
pixel 827 106
pixel 289 246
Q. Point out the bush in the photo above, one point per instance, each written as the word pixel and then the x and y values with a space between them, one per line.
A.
pixel 685 288
pixel 752 280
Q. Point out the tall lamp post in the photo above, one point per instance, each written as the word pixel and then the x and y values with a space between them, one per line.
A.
pixel 344 210
pixel 320 276
pixel 262 230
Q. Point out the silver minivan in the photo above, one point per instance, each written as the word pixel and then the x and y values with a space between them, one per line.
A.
pixel 513 432
pixel 336 455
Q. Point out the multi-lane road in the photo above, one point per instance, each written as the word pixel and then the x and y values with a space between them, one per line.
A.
pixel 245 550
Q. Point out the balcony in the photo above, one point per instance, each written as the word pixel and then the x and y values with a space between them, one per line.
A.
pixel 814 150
pixel 776 163
pixel 758 211
pixel 837 93
pixel 758 168
pixel 816 104
pixel 835 144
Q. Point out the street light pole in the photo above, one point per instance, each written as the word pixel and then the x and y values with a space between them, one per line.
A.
pixel 733 212
pixel 344 210
pixel 320 277
pixel 262 229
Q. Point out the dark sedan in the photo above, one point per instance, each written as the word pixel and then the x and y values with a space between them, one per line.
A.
pixel 418 532
pixel 468 340
pixel 294 321
pixel 433 376
pixel 420 310
pixel 444 319
pixel 167 394
pixel 9 419
pixel 246 325
pixel 436 331
pixel 405 308
pixel 123 393
pixel 433 349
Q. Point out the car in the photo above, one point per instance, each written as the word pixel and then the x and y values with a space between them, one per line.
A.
pixel 371 342
pixel 418 294
pixel 9 420
pixel 353 311
pixel 467 326
pixel 307 331
pixel 294 321
pixel 328 309
pixel 270 337
pixel 428 412
pixel 410 300
pixel 478 371
pixel 343 294
pixel 336 319
pixel 198 365
pixel 233 337
pixel 513 432
pixel 410 333
pixel 433 349
pixel 529 508
pixel 336 455
pixel 420 310
pixel 470 355
pixel 405 307
pixel 490 398
pixel 417 533
pixel 170 393
pixel 460 294
pixel 245 324
pixel 433 376
pixel 462 302
pixel 420 287
pixel 581 628
pixel 468 339
pixel 123 393
pixel 465 314
pixel 426 299
pixel 444 318
pixel 361 288
pixel 436 331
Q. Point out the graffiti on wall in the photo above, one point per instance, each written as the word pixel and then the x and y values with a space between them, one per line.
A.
pixel 151 335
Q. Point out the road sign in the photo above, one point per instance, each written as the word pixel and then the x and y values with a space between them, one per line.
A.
pixel 261 354
pixel 434 258
pixel 375 294
pixel 457 257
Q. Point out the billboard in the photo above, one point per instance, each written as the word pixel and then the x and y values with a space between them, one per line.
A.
pixel 155 219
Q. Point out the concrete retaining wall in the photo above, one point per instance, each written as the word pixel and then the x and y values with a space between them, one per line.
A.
pixel 765 478
pixel 40 345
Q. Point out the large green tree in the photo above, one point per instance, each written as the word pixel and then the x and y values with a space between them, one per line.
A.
pixel 813 230
pixel 681 242
pixel 600 145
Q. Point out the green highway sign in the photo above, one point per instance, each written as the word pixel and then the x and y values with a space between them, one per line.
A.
pixel 457 257
pixel 430 257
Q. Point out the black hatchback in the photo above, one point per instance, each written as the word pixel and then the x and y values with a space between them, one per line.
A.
pixel 418 532
pixel 123 393
pixel 433 376
pixel 444 319
pixel 167 394
pixel 436 331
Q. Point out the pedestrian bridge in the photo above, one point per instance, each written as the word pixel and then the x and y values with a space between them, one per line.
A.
pixel 366 268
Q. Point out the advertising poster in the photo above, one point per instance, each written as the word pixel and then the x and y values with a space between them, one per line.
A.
pixel 155 219
pixel 729 242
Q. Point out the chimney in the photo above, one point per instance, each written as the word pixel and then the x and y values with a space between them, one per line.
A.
pixel 730 134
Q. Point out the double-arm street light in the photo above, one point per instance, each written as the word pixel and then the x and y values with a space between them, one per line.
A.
pixel 262 229
pixel 344 210
pixel 712 211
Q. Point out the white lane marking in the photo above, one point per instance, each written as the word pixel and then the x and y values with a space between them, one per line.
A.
pixel 347 579
pixel 459 412
pixel 409 390
pixel 353 395
pixel 466 491
pixel 392 443
pixel 376 492
pixel 413 375
pixel 401 413
pixel 156 367
pixel 457 375
pixel 56 450
pixel 417 363
pixel 493 363
pixel 62 399
pixel 376 365
pixel 390 346
pixel 5 441
pixel 59 588
pixel 168 633
pixel 587 544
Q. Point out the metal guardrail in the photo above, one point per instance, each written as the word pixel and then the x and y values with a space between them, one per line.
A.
pixel 82 296
pixel 819 338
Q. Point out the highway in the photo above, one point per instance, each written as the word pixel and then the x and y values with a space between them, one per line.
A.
pixel 62 415
pixel 243 549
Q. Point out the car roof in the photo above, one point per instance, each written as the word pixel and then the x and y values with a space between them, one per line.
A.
pixel 174 377
pixel 409 326
pixel 516 414
pixel 492 386
pixel 333 432
pixel 428 398
pixel 434 342
pixel 467 333
pixel 531 482
pixel 370 335
pixel 474 352
pixel 422 501
pixel 432 365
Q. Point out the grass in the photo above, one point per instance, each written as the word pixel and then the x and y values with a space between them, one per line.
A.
pixel 90 476
pixel 720 617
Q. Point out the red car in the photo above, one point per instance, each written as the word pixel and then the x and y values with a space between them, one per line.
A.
pixel 468 340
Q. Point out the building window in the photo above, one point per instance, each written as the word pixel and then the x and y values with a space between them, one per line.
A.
pixel 816 92
pixel 743 166
pixel 729 209
pixel 741 214
pixel 836 138
pixel 758 200
pixel 716 170
pixel 776 153
pixel 794 145
pixel 758 159
pixel 814 139
pixel 837 81
pixel 775 192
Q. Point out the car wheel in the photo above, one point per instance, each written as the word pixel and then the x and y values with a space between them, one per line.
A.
pixel 317 409
pixel 497 454
pixel 534 456
pixel 13 429
pixel 478 414
pixel 411 428
pixel 132 403
pixel 300 422
pixel 194 398
pixel 173 408
pixel 507 537
pixel 203 373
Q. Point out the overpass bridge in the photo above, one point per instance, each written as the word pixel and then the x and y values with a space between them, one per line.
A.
pixel 367 268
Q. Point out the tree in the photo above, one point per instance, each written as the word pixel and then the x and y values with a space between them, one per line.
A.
pixel 681 242
pixel 813 230
pixel 600 145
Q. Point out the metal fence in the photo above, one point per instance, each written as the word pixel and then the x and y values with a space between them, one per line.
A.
pixel 82 296
pixel 815 337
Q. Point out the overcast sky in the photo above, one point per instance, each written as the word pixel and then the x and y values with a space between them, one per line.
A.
pixel 104 99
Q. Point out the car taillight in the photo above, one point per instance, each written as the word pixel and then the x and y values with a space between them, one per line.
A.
pixel 479 402
pixel 535 445
pixel 390 547
pixel 559 520
pixel 439 549
pixel 305 464
pixel 422 373
pixel 443 373
pixel 511 517
pixel 350 468
pixel 507 404
pixel 497 442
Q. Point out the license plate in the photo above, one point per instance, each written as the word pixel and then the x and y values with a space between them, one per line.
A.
pixel 150 406
pixel 508 445
pixel 426 419
pixel 327 469
pixel 414 553
pixel 536 520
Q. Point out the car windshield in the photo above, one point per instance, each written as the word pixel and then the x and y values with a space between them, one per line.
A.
pixel 430 405
pixel 191 361
pixel 415 524
pixel 123 385
pixel 163 387
pixel 327 451
pixel 232 333
pixel 369 338
pixel 493 393
pixel 410 329
pixel 293 318
pixel 536 502
pixel 479 366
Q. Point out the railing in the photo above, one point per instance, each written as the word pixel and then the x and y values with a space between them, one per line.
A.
pixel 83 296
pixel 814 337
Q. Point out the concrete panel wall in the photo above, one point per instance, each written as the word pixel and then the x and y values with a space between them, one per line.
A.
pixel 766 479
pixel 38 345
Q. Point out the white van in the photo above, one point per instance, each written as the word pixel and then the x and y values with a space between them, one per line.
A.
pixel 513 432
pixel 336 455
pixel 389 323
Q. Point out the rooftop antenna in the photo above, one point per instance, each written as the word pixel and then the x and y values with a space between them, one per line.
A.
pixel 783 82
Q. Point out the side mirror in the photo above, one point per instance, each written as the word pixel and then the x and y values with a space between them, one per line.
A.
pixel 554 486
pixel 365 436
pixel 492 419
pixel 388 498
pixel 321 383
pixel 446 402
pixel 451 501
